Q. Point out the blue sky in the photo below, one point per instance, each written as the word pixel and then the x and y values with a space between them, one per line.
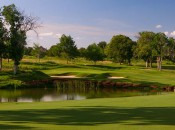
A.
pixel 89 21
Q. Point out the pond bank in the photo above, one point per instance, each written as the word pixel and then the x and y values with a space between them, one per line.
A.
pixel 108 83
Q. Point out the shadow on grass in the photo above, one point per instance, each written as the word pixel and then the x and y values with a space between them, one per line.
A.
pixel 104 67
pixel 30 75
pixel 93 116
pixel 168 67
pixel 46 65
pixel 3 127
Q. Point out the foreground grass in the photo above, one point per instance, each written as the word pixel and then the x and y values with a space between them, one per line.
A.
pixel 133 113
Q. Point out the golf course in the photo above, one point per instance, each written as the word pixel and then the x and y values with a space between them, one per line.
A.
pixel 87 65
pixel 135 112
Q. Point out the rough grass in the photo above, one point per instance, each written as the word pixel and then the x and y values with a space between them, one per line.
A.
pixel 143 112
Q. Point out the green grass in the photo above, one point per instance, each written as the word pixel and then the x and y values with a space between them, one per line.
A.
pixel 131 113
pixel 31 69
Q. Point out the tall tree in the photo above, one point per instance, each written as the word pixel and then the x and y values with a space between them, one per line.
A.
pixel 160 41
pixel 170 49
pixel 18 24
pixel 94 53
pixel 82 52
pixel 120 48
pixel 54 50
pixel 102 45
pixel 144 48
pixel 68 47
pixel 3 38
pixel 38 51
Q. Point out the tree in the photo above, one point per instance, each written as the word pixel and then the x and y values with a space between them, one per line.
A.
pixel 38 51
pixel 82 52
pixel 120 48
pixel 160 41
pixel 170 49
pixel 94 53
pixel 144 48
pixel 3 38
pixel 54 50
pixel 18 24
pixel 102 45
pixel 28 51
pixel 68 47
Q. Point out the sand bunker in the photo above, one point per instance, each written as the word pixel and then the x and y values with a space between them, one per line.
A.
pixel 73 76
pixel 70 76
pixel 115 77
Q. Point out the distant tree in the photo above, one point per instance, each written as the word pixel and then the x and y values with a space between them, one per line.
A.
pixel 38 51
pixel 82 52
pixel 28 51
pixel 170 49
pixel 18 24
pixel 102 45
pixel 3 39
pixel 54 51
pixel 144 49
pixel 68 47
pixel 160 42
pixel 94 53
pixel 120 48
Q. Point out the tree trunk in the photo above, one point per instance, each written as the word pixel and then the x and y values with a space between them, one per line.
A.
pixel 0 63
pixel 15 69
pixel 129 62
pixel 159 63
pixel 146 63
pixel 151 64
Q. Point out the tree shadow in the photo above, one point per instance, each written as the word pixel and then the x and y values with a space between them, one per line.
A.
pixel 105 67
pixel 3 127
pixel 168 67
pixel 93 116
pixel 30 75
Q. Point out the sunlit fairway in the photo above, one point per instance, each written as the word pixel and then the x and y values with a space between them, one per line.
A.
pixel 32 69
pixel 143 112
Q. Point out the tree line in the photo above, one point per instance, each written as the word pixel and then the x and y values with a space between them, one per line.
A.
pixel 14 24
pixel 150 47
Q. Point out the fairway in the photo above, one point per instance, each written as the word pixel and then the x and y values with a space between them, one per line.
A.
pixel 143 112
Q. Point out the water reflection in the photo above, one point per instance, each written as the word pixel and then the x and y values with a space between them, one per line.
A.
pixel 46 95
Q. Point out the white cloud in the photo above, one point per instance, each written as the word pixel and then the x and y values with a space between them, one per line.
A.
pixel 83 35
pixel 173 33
pixel 166 33
pixel 58 35
pixel 159 26
pixel 46 34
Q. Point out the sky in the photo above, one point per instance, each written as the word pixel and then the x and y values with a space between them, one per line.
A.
pixel 92 21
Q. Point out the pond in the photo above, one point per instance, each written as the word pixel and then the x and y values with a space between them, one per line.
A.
pixel 55 94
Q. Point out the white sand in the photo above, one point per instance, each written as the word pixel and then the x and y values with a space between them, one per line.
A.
pixel 115 77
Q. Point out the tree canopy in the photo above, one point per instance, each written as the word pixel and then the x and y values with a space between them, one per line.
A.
pixel 68 48
pixel 120 48
pixel 94 53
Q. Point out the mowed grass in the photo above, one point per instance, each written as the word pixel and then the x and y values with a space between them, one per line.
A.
pixel 32 69
pixel 129 113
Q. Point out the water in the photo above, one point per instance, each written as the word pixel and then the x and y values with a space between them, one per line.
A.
pixel 55 94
